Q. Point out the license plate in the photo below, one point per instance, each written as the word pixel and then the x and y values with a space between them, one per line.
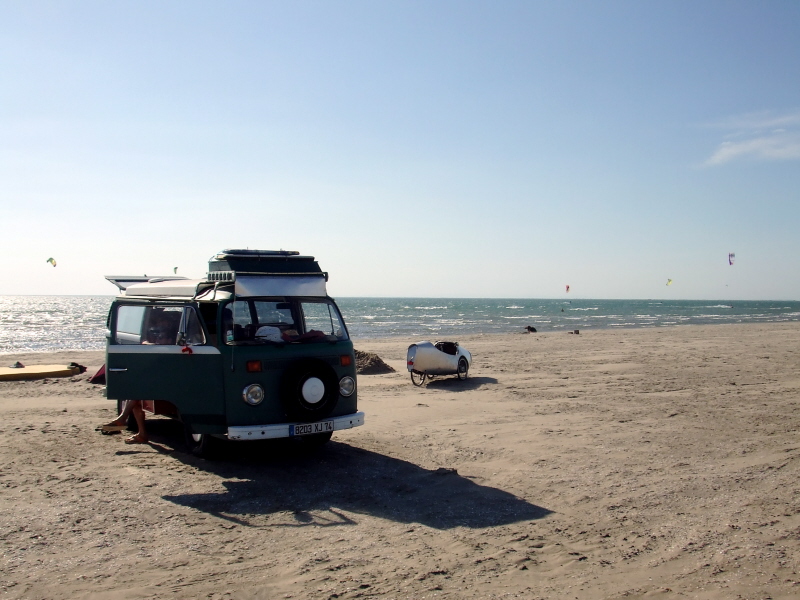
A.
pixel 311 428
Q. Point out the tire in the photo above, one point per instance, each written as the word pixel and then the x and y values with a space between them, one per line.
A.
pixel 200 444
pixel 309 390
pixel 463 368
pixel 131 424
pixel 417 378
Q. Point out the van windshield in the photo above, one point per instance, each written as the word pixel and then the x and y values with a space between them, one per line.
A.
pixel 249 321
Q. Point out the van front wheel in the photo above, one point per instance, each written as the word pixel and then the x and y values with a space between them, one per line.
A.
pixel 200 444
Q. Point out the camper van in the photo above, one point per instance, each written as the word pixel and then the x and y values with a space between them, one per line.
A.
pixel 255 350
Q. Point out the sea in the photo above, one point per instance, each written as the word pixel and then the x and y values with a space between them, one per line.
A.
pixel 57 323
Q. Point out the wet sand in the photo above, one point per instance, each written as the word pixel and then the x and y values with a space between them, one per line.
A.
pixel 637 463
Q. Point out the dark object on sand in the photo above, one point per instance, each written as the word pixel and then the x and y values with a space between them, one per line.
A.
pixel 368 363
pixel 576 332
pixel 530 329
pixel 17 365
pixel 99 377
pixel 74 365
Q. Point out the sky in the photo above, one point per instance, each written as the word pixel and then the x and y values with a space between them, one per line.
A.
pixel 416 148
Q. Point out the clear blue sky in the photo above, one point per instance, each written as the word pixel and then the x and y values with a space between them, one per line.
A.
pixel 432 148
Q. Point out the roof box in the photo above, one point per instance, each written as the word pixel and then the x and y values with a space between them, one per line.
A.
pixel 225 265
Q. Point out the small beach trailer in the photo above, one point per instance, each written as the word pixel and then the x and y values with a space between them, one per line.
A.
pixel 425 359
pixel 254 350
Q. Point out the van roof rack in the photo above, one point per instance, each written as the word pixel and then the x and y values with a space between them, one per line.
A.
pixel 225 265
pixel 248 252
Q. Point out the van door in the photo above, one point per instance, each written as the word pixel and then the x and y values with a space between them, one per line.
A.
pixel 159 351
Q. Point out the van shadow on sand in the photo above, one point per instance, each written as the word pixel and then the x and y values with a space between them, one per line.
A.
pixel 313 487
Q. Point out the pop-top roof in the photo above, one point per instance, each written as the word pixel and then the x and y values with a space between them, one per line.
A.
pixel 167 288
pixel 125 281
pixel 253 273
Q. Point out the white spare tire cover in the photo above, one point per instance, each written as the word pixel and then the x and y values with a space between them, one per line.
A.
pixel 313 390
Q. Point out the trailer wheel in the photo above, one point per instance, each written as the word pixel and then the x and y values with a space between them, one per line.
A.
pixel 463 368
pixel 417 378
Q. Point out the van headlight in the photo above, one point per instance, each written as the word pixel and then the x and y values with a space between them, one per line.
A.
pixel 253 394
pixel 347 386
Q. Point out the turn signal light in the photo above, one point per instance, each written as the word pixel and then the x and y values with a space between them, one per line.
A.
pixel 346 360
pixel 254 366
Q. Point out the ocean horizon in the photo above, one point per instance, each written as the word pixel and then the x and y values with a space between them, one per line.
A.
pixel 57 323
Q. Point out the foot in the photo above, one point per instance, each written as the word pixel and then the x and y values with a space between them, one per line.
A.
pixel 136 439
pixel 111 427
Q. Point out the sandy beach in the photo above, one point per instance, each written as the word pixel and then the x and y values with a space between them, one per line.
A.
pixel 638 463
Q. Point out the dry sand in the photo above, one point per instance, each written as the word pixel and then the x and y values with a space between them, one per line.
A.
pixel 639 463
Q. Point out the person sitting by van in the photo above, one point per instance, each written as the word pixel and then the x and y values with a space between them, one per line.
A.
pixel 162 331
pixel 129 407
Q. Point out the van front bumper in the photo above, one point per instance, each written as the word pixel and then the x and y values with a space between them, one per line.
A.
pixel 283 430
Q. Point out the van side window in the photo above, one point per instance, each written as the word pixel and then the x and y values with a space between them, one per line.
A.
pixel 129 324
pixel 158 325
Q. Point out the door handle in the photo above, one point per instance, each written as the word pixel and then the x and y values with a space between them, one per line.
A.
pixel 119 370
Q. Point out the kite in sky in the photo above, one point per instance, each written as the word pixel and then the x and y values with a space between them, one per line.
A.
pixel 568 289
pixel 175 270
pixel 52 261
pixel 669 281
pixel 731 258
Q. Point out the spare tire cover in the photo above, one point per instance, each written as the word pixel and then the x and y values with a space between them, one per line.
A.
pixel 309 390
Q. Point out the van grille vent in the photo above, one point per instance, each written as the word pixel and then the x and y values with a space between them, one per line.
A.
pixel 221 276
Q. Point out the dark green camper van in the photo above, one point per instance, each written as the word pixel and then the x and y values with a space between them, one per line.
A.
pixel 255 350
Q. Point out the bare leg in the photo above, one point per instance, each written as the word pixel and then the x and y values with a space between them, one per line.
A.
pixel 138 414
pixel 122 419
